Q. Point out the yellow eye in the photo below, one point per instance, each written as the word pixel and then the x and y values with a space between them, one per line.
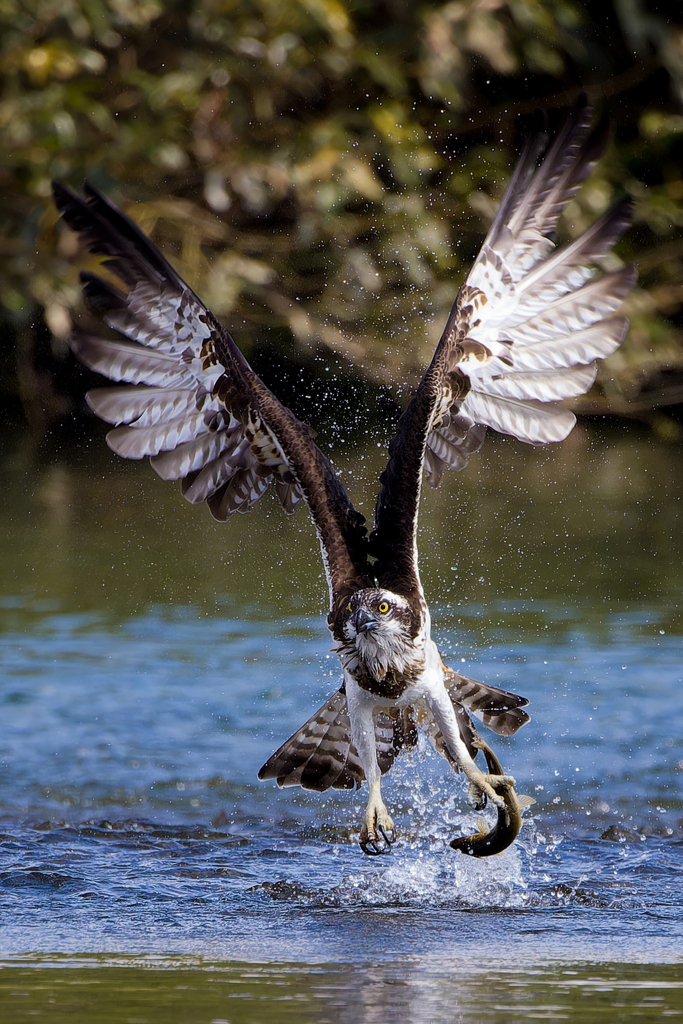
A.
pixel 348 607
pixel 383 607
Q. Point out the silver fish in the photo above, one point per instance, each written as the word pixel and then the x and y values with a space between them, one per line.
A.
pixel 508 823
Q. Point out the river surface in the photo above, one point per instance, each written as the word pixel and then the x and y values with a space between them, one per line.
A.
pixel 153 659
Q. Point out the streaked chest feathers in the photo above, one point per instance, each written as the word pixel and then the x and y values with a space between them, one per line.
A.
pixel 378 649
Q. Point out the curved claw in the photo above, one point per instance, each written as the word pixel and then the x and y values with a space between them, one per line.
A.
pixel 389 835
pixel 378 840
pixel 483 786
pixel 377 834
pixel 370 848
pixel 476 798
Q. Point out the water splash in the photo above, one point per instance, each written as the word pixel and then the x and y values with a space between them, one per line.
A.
pixel 443 879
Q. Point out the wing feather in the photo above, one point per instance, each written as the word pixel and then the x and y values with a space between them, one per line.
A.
pixel 524 333
pixel 581 348
pixel 240 492
pixel 543 385
pixel 528 421
pixel 332 765
pixel 202 415
pixel 133 442
pixel 499 710
pixel 188 459
pixel 456 439
pixel 141 406
pixel 122 360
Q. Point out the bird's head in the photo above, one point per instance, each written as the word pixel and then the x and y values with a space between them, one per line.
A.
pixel 377 629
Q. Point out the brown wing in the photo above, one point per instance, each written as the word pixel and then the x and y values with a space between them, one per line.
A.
pixel 191 402
pixel 523 334
pixel 321 753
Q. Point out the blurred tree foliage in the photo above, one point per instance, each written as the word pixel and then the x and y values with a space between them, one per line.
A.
pixel 322 171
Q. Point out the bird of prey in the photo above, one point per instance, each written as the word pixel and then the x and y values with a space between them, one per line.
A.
pixel 524 332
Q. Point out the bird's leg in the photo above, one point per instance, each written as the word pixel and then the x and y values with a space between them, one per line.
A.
pixel 481 783
pixel 377 834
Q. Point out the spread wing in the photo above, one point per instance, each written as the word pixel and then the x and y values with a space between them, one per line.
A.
pixel 523 334
pixel 191 402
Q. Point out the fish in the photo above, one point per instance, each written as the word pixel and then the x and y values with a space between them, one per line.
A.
pixel 485 842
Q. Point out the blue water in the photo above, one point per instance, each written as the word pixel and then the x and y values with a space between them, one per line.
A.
pixel 152 661
pixel 132 814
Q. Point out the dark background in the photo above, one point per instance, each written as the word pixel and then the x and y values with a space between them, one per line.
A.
pixel 322 173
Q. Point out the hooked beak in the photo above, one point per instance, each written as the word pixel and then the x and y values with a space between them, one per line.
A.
pixel 364 621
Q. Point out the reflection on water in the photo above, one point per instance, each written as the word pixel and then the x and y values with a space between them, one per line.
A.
pixel 433 993
pixel 152 660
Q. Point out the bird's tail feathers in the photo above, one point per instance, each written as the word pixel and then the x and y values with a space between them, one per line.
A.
pixel 499 710
pixel 321 754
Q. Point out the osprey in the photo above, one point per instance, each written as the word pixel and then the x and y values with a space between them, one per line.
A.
pixel 523 334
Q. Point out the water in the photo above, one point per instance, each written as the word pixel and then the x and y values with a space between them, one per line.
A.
pixel 152 660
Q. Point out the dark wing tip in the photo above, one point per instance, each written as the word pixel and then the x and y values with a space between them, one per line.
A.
pixel 108 231
pixel 624 207
pixel 515 701
pixel 71 206
pixel 61 194
pixel 538 129
pixel 629 276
